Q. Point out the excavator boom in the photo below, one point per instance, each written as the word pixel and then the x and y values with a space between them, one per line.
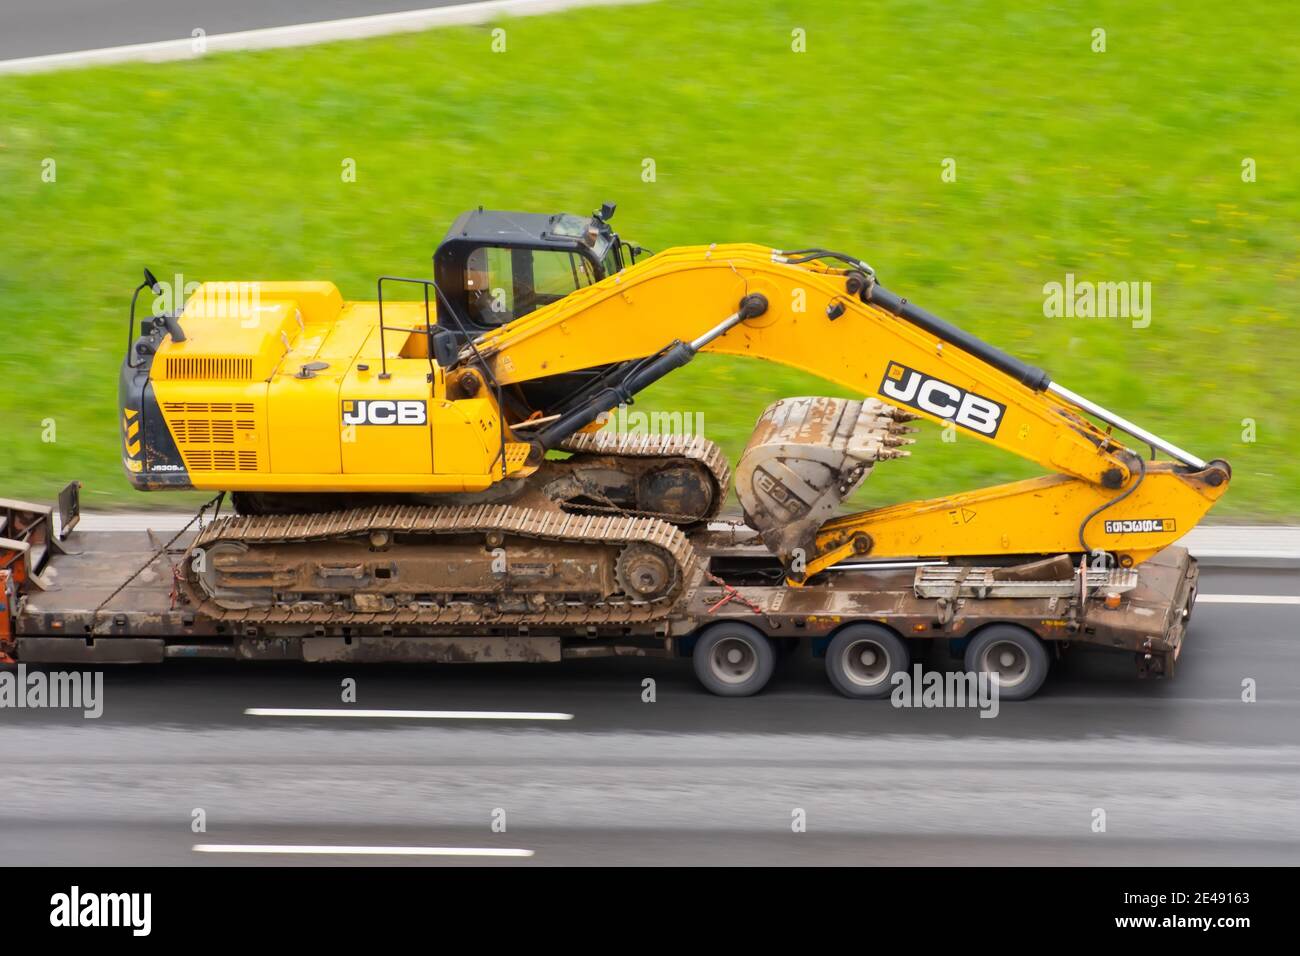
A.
pixel 837 322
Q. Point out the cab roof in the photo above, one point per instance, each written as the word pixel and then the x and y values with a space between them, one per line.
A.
pixel 498 228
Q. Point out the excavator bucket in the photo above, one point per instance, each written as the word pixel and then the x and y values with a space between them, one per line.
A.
pixel 806 456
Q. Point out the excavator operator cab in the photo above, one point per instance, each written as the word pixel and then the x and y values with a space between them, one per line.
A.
pixel 494 267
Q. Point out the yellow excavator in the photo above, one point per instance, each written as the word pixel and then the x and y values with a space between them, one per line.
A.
pixel 448 429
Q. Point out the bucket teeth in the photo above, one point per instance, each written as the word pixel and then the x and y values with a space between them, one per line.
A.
pixel 892 411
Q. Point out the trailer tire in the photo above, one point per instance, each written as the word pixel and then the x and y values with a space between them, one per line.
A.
pixel 732 659
pixel 1015 655
pixel 862 659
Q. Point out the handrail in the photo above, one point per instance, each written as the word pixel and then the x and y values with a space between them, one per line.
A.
pixel 428 324
pixel 426 284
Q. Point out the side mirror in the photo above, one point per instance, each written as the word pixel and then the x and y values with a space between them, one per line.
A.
pixel 151 283
pixel 635 251
pixel 443 346
pixel 606 211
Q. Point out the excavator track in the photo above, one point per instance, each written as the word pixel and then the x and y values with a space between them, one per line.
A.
pixel 402 565
pixel 688 471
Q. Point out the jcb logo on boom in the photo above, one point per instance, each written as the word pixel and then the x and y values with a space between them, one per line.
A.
pixel 377 412
pixel 934 396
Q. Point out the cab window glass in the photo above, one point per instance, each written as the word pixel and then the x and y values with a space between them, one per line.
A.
pixel 556 274
pixel 502 285
pixel 489 286
pixel 610 262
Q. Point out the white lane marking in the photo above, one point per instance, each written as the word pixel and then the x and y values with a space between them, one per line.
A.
pixel 406 714
pixel 157 521
pixel 300 34
pixel 361 850
pixel 1247 599
pixel 1160 701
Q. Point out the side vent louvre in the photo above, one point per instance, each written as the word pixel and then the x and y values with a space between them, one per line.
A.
pixel 212 442
pixel 206 408
pixel 202 431
pixel 207 459
pixel 209 368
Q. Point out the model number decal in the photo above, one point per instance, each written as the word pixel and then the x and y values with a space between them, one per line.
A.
pixel 1140 525
pixel 384 412
pixel 936 397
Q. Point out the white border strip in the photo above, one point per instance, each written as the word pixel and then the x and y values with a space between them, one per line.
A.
pixel 300 34
pixel 361 850
pixel 1247 599
pixel 405 714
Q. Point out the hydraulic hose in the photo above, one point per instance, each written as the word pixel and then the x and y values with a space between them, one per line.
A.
pixel 1141 473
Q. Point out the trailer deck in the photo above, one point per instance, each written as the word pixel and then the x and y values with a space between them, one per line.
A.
pixel 111 597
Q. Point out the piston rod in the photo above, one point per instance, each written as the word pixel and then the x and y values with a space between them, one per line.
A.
pixel 1124 425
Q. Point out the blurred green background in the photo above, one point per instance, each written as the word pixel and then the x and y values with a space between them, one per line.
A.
pixel 1123 165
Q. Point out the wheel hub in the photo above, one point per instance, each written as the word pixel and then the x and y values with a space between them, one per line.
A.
pixel 645 573
pixel 866 663
pixel 733 660
pixel 1008 662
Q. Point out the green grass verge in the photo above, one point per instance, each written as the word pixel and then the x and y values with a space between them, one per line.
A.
pixel 1116 166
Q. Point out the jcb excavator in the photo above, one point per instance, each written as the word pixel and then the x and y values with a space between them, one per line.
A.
pixel 389 459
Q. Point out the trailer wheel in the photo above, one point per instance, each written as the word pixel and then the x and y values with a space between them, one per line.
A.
pixel 732 659
pixel 1017 658
pixel 862 659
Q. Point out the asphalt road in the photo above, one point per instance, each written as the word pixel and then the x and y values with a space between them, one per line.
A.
pixel 36 27
pixel 1184 770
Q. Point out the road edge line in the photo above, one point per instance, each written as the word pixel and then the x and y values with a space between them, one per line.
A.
pixel 298 34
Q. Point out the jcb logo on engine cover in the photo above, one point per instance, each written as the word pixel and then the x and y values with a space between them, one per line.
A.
pixel 383 412
pixel 907 386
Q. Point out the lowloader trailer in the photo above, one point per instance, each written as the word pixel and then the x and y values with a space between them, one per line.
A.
pixel 90 597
